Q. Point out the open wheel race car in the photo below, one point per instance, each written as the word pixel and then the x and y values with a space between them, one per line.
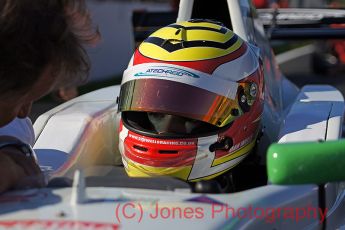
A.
pixel 294 186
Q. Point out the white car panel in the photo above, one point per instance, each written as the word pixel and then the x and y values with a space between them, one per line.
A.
pixel 316 115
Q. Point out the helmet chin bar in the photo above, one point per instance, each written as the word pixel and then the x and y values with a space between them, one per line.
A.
pixel 248 174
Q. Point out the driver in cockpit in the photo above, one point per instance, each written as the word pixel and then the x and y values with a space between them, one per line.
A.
pixel 191 101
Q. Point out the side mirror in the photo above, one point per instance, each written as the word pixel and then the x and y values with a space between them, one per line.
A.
pixel 306 163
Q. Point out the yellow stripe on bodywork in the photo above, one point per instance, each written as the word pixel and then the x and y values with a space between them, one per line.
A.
pixel 245 149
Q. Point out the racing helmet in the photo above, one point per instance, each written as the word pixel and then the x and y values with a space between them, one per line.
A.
pixel 191 101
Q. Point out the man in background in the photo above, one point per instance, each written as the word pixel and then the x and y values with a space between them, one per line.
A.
pixel 41 46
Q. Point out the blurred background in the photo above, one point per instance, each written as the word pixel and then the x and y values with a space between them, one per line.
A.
pixel 124 23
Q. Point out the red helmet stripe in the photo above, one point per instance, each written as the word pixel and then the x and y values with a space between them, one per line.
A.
pixel 154 155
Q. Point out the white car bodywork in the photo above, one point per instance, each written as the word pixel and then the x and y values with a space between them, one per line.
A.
pixel 83 132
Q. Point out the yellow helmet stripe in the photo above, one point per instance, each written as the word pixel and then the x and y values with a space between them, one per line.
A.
pixel 183 42
pixel 170 46
pixel 135 169
pixel 214 175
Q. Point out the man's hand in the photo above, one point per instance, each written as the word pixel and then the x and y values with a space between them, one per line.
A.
pixel 18 171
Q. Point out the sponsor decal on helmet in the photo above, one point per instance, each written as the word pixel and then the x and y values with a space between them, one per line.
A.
pixel 166 71
pixel 160 142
